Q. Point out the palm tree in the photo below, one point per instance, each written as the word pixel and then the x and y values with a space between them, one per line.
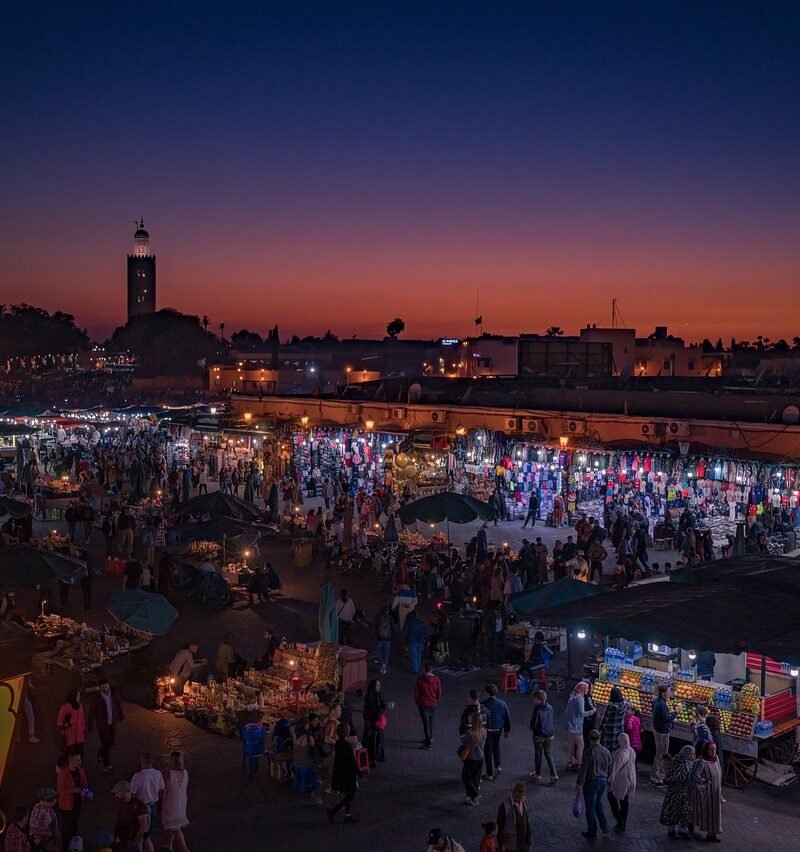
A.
pixel 554 331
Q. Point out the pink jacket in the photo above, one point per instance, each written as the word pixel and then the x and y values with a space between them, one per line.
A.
pixel 633 728
pixel 73 724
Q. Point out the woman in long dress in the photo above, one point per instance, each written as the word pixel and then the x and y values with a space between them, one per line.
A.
pixel 173 810
pixel 622 781
pixel 676 812
pixel 707 792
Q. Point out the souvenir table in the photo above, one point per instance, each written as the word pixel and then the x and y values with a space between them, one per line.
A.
pixel 283 691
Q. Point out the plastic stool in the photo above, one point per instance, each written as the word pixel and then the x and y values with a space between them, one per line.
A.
pixel 362 760
pixel 305 779
pixel 509 683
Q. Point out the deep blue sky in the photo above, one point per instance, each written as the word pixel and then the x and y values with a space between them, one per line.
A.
pixel 339 164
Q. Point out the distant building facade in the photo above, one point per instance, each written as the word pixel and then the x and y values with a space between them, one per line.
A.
pixel 141 275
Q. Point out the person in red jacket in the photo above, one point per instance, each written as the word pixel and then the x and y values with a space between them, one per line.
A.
pixel 427 695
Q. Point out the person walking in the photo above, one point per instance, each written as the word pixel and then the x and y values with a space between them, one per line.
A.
pixel 415 634
pixel 533 511
pixel 70 786
pixel 71 721
pixel 593 780
pixel 663 720
pixel 514 822
pixel 622 782
pixel 499 726
pixel 147 785
pixel 374 722
pixel 473 706
pixel 543 730
pixel 132 820
pixel 707 792
pixel 676 811
pixel 613 722
pixel 345 775
pixel 427 695
pixel 173 806
pixel 43 826
pixel 471 753
pixel 345 612
pixel 575 716
pixel 105 713
pixel 383 638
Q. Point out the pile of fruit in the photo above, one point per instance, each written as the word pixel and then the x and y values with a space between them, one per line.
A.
pixel 629 677
pixel 632 696
pixel 647 704
pixel 741 725
pixel 724 719
pixel 601 691
pixel 694 692
pixel 685 713
pixel 750 699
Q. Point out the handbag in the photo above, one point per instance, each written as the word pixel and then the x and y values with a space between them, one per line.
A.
pixel 577 804
pixel 464 752
pixel 381 722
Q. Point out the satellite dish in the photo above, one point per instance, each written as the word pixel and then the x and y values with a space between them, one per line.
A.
pixel 415 392
pixel 791 415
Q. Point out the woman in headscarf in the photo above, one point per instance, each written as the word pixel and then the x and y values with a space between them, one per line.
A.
pixel 622 781
pixel 707 792
pixel 676 812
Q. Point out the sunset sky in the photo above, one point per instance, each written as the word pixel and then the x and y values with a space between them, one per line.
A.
pixel 339 164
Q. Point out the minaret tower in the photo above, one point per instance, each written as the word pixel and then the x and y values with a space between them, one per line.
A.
pixel 141 275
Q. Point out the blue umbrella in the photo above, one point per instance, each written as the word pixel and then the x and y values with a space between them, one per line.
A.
pixel 143 612
pixel 328 621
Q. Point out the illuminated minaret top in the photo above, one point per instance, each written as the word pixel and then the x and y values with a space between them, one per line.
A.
pixel 141 241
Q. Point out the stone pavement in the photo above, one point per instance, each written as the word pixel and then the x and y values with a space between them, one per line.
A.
pixel 398 803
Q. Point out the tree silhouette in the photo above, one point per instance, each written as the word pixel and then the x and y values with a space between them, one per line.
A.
pixel 247 341
pixel 395 327
pixel 554 331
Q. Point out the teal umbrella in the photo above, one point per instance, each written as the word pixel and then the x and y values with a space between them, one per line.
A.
pixel 561 591
pixel 143 612
pixel 328 621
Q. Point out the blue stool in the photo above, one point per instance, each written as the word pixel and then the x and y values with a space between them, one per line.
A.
pixel 253 739
pixel 305 779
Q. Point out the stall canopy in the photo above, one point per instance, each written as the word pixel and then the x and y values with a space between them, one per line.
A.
pixel 532 601
pixel 214 530
pixel 216 505
pixel 722 617
pixel 22 565
pixel 446 506
pixel 146 613
pixel 766 571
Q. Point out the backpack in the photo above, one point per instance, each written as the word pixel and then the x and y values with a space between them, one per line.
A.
pixel 384 628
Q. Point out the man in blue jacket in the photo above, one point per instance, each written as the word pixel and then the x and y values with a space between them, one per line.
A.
pixel 499 725
pixel 415 633
pixel 544 731
pixel 663 719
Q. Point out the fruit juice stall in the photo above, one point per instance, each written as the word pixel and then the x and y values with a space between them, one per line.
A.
pixel 747 626
pixel 751 724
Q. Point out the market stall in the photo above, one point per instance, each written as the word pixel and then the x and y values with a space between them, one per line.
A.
pixel 299 675
pixel 757 698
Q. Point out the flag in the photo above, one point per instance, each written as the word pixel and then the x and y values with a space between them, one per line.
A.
pixel 479 320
